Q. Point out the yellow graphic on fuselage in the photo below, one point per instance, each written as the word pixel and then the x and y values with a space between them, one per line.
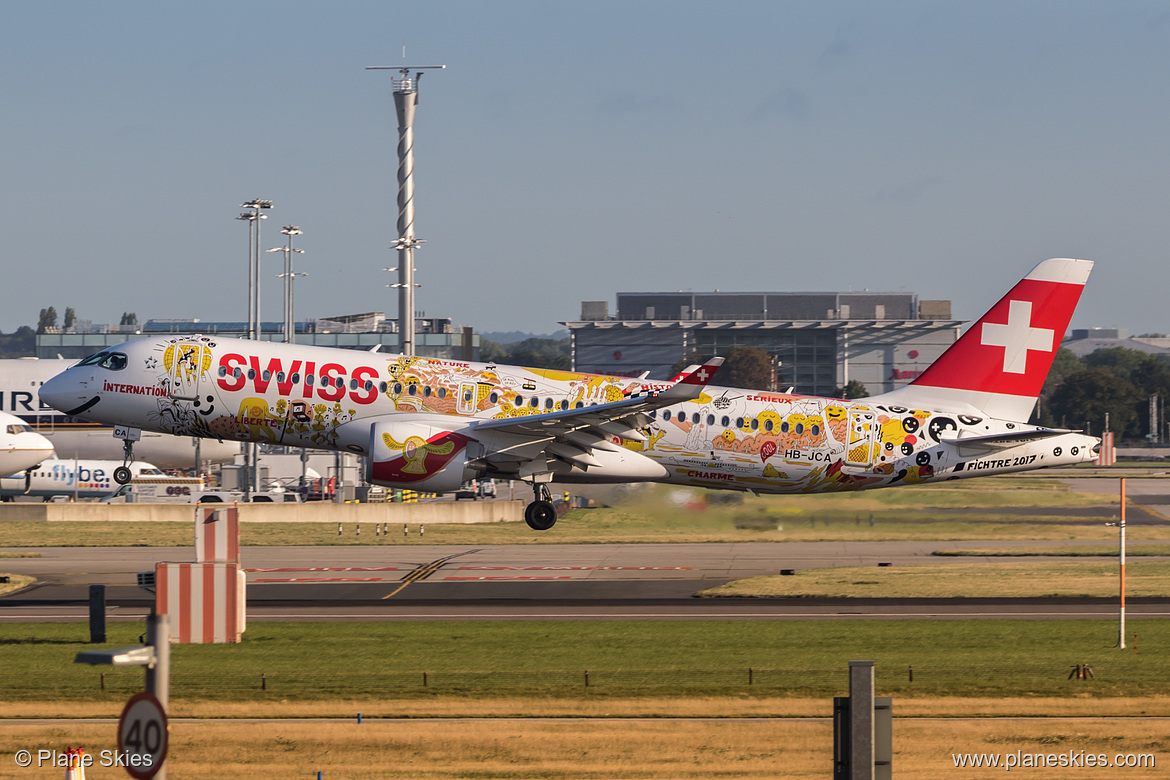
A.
pixel 415 450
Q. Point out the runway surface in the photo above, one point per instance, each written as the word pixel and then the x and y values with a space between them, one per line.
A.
pixel 525 582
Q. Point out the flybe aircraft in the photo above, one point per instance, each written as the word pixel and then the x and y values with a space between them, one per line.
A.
pixel 21 447
pixel 80 478
pixel 20 382
pixel 430 424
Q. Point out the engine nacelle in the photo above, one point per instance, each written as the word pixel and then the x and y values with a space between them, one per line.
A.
pixel 418 455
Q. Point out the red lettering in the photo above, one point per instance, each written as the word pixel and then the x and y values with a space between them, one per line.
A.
pixel 361 395
pixel 231 361
pixel 260 382
pixel 285 387
pixel 307 387
pixel 328 389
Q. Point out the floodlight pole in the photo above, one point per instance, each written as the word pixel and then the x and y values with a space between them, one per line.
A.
pixel 251 451
pixel 405 101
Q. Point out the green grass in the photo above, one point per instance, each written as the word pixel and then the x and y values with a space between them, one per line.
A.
pixel 1078 551
pixel 323 661
pixel 683 515
pixel 1015 579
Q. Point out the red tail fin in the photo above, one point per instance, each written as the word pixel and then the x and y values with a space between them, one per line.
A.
pixel 1001 362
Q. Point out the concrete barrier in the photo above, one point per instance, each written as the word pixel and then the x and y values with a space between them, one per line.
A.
pixel 462 512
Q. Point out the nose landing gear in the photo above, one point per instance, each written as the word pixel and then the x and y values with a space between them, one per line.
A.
pixel 540 515
pixel 128 436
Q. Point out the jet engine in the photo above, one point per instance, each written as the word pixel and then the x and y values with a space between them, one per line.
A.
pixel 420 455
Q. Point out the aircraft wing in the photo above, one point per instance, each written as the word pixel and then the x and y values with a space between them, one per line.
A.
pixel 573 434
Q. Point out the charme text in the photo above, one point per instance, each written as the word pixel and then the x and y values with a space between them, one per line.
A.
pixel 300 379
pixel 711 475
pixel 113 387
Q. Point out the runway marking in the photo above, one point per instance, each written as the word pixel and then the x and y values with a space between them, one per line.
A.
pixel 426 570
pixel 322 579
pixel 550 577
pixel 330 568
pixel 575 568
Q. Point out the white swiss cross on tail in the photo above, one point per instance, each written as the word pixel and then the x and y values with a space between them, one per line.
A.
pixel 998 366
pixel 1017 337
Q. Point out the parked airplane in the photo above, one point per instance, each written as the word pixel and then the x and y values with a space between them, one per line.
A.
pixel 430 424
pixel 20 382
pixel 21 447
pixel 80 478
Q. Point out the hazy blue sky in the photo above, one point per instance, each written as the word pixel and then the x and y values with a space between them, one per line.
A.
pixel 570 151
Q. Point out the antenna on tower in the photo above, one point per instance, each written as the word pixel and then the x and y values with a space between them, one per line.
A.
pixel 405 101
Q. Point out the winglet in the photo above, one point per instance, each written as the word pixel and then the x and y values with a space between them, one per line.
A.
pixel 691 383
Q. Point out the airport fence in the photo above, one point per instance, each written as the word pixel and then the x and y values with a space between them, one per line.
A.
pixel 322 683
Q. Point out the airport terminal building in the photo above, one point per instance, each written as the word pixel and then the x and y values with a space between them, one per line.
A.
pixel 435 336
pixel 820 340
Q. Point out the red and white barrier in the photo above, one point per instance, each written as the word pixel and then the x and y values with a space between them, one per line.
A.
pixel 217 535
pixel 206 601
pixel 1108 454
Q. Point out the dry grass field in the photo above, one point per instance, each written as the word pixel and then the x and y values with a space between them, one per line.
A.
pixel 588 749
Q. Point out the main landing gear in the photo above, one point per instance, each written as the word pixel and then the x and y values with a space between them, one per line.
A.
pixel 540 515
pixel 122 473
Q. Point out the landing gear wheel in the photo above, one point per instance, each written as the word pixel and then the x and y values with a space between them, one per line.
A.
pixel 540 515
pixel 122 475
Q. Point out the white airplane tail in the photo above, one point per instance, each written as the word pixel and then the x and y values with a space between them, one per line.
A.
pixel 998 366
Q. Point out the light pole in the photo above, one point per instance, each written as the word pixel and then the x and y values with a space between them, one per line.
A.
pixel 405 101
pixel 252 465
pixel 289 277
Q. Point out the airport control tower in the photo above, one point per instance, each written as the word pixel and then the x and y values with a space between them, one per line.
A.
pixel 405 101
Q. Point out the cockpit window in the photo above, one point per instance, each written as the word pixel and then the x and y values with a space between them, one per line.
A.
pixel 19 429
pixel 113 361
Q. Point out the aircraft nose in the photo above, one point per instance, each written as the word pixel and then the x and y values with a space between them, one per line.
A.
pixel 67 393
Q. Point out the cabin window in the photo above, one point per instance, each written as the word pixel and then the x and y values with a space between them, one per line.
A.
pixel 467 396
pixel 726 421
pixel 251 373
pixel 710 419
pixel 784 427
pixel 666 415
pixel 755 425
pixel 426 391
pixel 340 383
pixel 494 397
pixel 310 380
pixel 266 375
pixel 381 387
pixel 223 370
pixel 738 422
pixel 799 429
pixel 353 384
pixel 695 418
pixel 519 401
pixel 548 403
pixel 397 388
pixel 564 405
pixel 368 385
pixel 296 378
pixel 411 389
pixel 768 426
pixel 816 430
pixel 280 376
pixel 579 405
pixel 534 403
pixel 442 392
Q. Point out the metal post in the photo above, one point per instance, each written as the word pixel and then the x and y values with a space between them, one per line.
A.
pixel 1121 570
pixel 158 676
pixel 861 727
pixel 97 614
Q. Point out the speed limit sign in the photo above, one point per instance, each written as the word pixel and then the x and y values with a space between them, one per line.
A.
pixel 142 736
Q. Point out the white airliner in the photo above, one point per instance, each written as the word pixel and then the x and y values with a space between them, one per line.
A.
pixel 21 447
pixel 20 383
pixel 431 424
pixel 81 478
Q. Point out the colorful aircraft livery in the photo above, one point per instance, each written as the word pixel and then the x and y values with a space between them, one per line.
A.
pixel 431 424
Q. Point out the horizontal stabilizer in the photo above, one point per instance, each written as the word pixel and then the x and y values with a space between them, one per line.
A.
pixel 999 441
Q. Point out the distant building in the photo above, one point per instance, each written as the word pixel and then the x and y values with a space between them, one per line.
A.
pixel 435 336
pixel 1085 341
pixel 821 340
